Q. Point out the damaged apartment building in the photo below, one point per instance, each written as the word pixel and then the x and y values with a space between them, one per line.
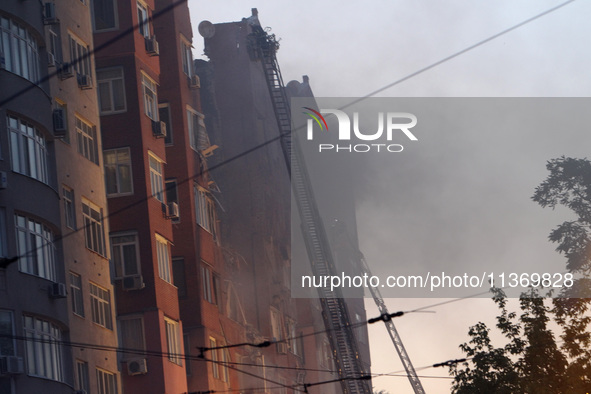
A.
pixel 144 217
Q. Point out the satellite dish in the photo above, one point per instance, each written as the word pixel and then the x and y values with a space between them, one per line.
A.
pixel 206 29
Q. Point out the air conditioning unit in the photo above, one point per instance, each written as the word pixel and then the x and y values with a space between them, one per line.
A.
pixel 50 59
pixel 11 365
pixel 137 366
pixel 152 47
pixel 84 81
pixel 281 347
pixel 50 16
pixel 173 210
pixel 195 82
pixel 66 71
pixel 58 290
pixel 60 127
pixel 135 282
pixel 159 129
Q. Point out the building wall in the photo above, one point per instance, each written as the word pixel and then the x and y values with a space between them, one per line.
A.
pixel 80 180
pixel 29 197
pixel 138 213
pixel 256 200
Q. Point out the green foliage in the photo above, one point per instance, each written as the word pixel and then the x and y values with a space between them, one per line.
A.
pixel 532 361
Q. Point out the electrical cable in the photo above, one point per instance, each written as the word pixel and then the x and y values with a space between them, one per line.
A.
pixel 6 261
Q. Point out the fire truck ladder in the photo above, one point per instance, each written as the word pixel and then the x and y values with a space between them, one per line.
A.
pixel 377 297
pixel 352 376
pixel 335 313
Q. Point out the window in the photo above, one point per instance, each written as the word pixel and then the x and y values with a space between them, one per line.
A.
pixel 62 105
pixel 76 294
pixel 79 56
pixel 214 359
pixel 100 301
pixel 198 137
pixel 53 44
pixel 124 252
pixel 172 195
pixel 28 149
pixel 83 382
pixel 143 20
pixel 106 382
pixel 7 342
pixel 225 376
pixel 35 246
pixel 104 14
pixel 164 114
pixel 69 207
pixel 276 327
pixel 173 341
pixel 178 275
pixel 20 50
pixel 93 227
pixel 163 256
pixel 211 285
pixel 131 330
pixel 187 56
pixel 205 210
pixel 87 141
pixel 118 176
pixel 111 90
pixel 150 97
pixel 292 337
pixel 156 179
pixel 44 355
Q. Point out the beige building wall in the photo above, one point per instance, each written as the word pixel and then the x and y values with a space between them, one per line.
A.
pixel 80 182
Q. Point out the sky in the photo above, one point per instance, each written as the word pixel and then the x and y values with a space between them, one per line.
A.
pixel 351 50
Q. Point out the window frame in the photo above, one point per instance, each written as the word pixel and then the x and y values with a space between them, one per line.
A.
pixel 186 56
pixel 94 232
pixel 80 55
pixel 43 336
pixel 111 89
pixel 82 376
pixel 106 381
pixel 87 141
pixel 205 210
pixel 95 4
pixel 100 302
pixel 26 66
pixel 168 140
pixel 150 94
pixel 26 160
pixel 173 341
pixel 141 335
pixel 195 126
pixel 120 266
pixel 117 166
pixel 163 258
pixel 43 262
pixel 143 20
pixel 9 341
pixel 77 294
pixel 156 177
pixel 69 207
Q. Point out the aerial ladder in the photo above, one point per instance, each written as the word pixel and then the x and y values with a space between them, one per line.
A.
pixel 352 375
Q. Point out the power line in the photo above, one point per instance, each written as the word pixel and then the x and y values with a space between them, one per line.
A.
pixel 4 262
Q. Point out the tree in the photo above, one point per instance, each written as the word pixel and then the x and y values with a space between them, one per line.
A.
pixel 532 361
